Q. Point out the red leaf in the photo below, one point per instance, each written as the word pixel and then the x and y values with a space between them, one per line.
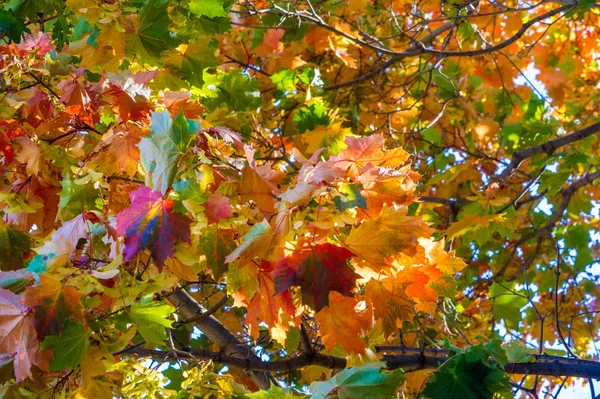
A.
pixel 318 270
pixel 150 223
pixel 217 207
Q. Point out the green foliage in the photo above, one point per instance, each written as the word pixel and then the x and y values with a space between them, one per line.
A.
pixel 362 382
pixel 469 374
pixel 69 347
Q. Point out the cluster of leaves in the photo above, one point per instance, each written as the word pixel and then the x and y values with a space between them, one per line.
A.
pixel 269 155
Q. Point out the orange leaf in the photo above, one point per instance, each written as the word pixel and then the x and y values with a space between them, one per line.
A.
pixel 340 324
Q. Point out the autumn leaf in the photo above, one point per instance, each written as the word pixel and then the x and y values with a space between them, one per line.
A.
pixel 178 102
pixel 150 223
pixel 276 310
pixel 378 240
pixel 15 245
pixel 364 151
pixel 254 188
pixel 318 270
pixel 217 207
pixel 340 324
pixel 53 303
pixel 390 303
pixel 258 243
pixel 18 337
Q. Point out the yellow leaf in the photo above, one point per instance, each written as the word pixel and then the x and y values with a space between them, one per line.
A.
pixel 471 223
pixel 378 240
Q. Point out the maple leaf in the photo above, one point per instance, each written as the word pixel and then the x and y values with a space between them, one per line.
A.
pixel 217 207
pixel 150 223
pixel 161 151
pixel 318 270
pixel 17 335
pixel 258 243
pixel 471 223
pixel 123 153
pixel 178 102
pixel 340 324
pixel 129 95
pixel 69 347
pixel 148 35
pixel 254 187
pixel 151 319
pixel 364 151
pixel 54 303
pixel 390 303
pixel 30 154
pixel 14 245
pixel 383 186
pixel 443 260
pixel 216 244
pixel 268 307
pixel 377 240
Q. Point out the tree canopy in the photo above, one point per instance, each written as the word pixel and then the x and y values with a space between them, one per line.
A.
pixel 278 199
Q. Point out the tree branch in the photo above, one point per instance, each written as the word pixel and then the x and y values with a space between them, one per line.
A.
pixel 548 148
pixel 231 345
pixel 249 364
pixel 544 365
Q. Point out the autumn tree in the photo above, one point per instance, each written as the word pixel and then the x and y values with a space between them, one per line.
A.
pixel 260 199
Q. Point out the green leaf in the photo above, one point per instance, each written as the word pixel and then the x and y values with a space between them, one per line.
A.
pixel 553 182
pixel 27 8
pixel 175 377
pixel 285 80
pixel 68 348
pixel 432 135
pixel 517 352
pixel 208 8
pixel 12 27
pixel 467 377
pixel 160 152
pixel 193 59
pixel 150 317
pixel 60 32
pixel 507 305
pixel 233 88
pixel 577 237
pixel 216 245
pixel 494 347
pixel 16 280
pixel 274 392
pixel 361 382
pixel 150 36
pixel 351 197
pixel 310 117
pixel 75 198
pixel 13 243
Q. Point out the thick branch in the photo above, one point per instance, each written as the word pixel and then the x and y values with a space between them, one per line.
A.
pixel 232 347
pixel 544 365
pixel 548 147
pixel 248 364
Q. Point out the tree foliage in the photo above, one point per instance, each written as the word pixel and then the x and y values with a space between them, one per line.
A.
pixel 355 199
